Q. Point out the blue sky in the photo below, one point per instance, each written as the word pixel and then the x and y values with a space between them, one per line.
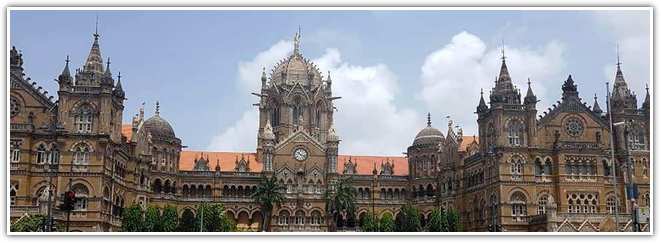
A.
pixel 202 65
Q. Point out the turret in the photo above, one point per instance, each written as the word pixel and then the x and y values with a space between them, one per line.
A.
pixel 65 78
pixel 530 100
pixel 595 107
pixel 118 91
pixel 482 107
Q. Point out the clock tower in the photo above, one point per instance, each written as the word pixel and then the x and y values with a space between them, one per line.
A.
pixel 296 138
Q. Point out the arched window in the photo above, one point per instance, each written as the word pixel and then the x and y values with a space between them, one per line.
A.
pixel 516 168
pixel 54 155
pixel 316 218
pixel 157 187
pixel 519 209
pixel 515 133
pixel 542 202
pixel 81 155
pixel 275 116
pixel 300 218
pixel 610 204
pixel 548 167
pixel 83 119
pixel 15 151
pixel 539 169
pixel 81 197
pixel 283 218
pixel 41 154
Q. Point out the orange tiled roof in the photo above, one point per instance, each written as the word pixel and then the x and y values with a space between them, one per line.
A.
pixel 127 131
pixel 467 141
pixel 365 164
pixel 227 160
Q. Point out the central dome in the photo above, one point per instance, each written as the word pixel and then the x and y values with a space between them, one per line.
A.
pixel 159 127
pixel 296 69
pixel 428 135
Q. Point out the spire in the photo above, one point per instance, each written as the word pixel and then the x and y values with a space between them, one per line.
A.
pixel 530 96
pixel 94 62
pixel 119 92
pixel 483 105
pixel 595 106
pixel 428 119
pixel 504 80
pixel 65 71
pixel 158 109
pixel 107 73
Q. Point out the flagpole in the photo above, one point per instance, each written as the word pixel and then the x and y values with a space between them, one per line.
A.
pixel 614 163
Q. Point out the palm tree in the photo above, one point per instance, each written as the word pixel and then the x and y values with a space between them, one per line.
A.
pixel 340 200
pixel 268 194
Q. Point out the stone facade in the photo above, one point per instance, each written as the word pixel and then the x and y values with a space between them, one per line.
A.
pixel 521 172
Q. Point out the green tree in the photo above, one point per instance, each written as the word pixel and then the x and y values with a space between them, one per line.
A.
pixel 387 223
pixel 213 218
pixel 454 225
pixel 132 220
pixel 169 219
pixel 267 195
pixel 369 223
pixel 408 219
pixel 152 219
pixel 435 223
pixel 187 222
pixel 29 223
pixel 340 201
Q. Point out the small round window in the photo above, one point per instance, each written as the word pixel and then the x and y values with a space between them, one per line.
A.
pixel 574 127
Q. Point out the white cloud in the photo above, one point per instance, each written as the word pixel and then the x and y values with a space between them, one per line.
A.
pixel 453 75
pixel 367 120
pixel 631 30
pixel 242 134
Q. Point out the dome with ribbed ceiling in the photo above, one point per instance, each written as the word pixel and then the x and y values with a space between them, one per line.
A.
pixel 428 135
pixel 158 127
pixel 296 69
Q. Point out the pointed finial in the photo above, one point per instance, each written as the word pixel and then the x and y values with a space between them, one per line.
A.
pixel 528 82
pixel 158 108
pixel 96 28
pixel 481 92
pixel 297 40
pixel 647 88
pixel 617 49
pixel 67 60
pixel 502 50
pixel 429 119
pixel 119 76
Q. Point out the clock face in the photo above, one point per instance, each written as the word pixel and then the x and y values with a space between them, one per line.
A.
pixel 300 154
